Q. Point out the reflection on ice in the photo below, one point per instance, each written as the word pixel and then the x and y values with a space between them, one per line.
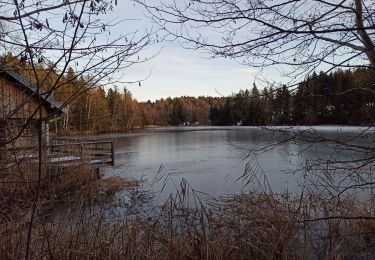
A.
pixel 212 159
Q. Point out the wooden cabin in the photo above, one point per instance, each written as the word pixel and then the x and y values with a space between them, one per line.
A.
pixel 23 113
pixel 23 110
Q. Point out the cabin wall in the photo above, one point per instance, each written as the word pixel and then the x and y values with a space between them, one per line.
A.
pixel 16 103
pixel 18 113
pixel 21 134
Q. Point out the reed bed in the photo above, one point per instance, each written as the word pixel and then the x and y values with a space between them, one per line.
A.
pixel 79 217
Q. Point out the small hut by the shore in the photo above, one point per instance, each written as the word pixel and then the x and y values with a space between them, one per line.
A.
pixel 23 112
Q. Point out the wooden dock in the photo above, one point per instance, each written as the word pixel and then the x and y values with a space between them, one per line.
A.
pixel 66 153
pixel 96 153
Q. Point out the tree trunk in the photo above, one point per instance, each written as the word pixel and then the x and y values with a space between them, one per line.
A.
pixel 366 40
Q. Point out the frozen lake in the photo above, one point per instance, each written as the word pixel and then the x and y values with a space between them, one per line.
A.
pixel 212 159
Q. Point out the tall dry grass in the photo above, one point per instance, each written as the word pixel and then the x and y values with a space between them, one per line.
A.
pixel 67 195
pixel 78 217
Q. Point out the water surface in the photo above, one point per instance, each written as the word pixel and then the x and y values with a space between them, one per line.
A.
pixel 213 159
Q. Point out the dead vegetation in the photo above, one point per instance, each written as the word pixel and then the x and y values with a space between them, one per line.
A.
pixel 78 217
pixel 68 195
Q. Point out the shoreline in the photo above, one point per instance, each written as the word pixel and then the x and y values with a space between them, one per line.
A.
pixel 333 127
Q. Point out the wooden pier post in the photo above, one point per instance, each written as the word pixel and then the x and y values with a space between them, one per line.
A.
pixel 113 153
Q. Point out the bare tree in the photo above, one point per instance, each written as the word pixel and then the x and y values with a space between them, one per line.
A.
pixel 67 34
pixel 302 36
pixel 298 38
pixel 58 35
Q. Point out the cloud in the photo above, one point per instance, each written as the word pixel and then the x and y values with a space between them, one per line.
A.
pixel 244 71
pixel 177 72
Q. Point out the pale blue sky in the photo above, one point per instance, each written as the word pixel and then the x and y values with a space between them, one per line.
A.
pixel 177 71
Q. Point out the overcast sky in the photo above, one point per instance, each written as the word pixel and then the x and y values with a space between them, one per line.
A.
pixel 177 71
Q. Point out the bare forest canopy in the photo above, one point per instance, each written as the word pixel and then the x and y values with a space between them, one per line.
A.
pixel 95 109
pixel 298 37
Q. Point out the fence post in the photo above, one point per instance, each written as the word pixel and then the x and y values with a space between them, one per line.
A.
pixel 81 151
pixel 112 154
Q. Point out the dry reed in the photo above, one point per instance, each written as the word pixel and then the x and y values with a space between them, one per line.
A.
pixel 75 221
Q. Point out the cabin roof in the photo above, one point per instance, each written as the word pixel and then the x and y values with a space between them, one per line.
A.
pixel 14 76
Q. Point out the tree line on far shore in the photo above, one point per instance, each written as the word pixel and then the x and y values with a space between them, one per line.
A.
pixel 341 97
